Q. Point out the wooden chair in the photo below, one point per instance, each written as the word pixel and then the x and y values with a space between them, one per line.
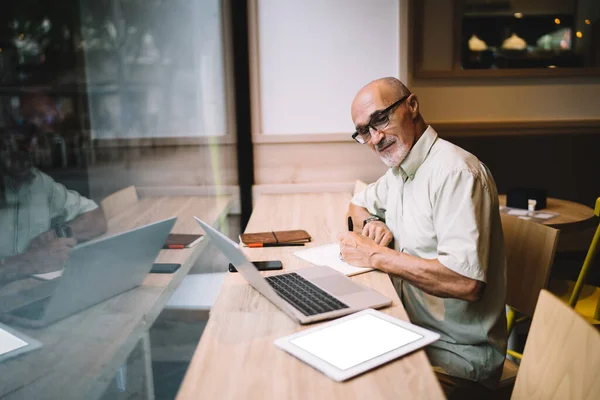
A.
pixel 562 355
pixel 359 186
pixel 529 249
pixel 589 305
pixel 116 202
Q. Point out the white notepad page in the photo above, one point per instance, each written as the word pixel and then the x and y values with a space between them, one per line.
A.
pixel 9 342
pixel 48 276
pixel 355 341
pixel 329 255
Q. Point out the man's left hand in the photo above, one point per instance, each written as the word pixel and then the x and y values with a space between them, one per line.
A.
pixel 357 249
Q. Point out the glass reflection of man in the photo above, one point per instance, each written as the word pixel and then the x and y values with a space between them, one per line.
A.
pixel 41 220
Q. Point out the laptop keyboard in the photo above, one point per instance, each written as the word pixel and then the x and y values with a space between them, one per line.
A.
pixel 304 295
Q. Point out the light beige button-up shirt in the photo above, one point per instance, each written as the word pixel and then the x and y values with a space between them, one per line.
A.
pixel 33 208
pixel 442 203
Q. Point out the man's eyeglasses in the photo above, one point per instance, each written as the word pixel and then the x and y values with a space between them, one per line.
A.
pixel 379 121
pixel 21 139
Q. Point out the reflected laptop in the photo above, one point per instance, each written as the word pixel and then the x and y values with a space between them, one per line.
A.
pixel 308 294
pixel 96 270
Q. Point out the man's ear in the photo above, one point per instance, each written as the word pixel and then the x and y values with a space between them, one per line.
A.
pixel 413 105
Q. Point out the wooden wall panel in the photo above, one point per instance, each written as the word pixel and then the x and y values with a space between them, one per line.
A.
pixel 563 163
pixel 284 163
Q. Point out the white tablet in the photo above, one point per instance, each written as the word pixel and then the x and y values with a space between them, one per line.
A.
pixel 351 345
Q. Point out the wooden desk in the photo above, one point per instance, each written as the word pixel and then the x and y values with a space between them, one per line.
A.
pixel 82 353
pixel 572 216
pixel 236 358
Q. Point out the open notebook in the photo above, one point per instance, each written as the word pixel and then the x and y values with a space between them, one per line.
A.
pixel 329 255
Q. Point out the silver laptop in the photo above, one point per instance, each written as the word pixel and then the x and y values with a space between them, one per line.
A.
pixel 308 294
pixel 96 270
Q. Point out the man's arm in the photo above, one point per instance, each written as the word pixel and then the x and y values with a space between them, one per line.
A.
pixel 81 214
pixel 428 275
pixel 38 259
pixel 463 204
pixel 376 230
pixel 358 214
pixel 88 225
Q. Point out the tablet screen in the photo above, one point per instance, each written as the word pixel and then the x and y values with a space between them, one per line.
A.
pixel 350 343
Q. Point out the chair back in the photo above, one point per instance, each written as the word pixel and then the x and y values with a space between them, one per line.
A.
pixel 116 202
pixel 562 355
pixel 359 186
pixel 529 249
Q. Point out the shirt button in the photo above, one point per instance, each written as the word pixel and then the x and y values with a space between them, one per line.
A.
pixel 411 176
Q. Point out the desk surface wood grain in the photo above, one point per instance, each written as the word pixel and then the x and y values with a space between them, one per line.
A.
pixel 81 354
pixel 236 358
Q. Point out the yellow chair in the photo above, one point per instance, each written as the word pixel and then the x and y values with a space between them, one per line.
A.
pixel 529 249
pixel 562 355
pixel 589 305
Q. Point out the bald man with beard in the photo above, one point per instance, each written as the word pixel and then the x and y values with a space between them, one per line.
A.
pixel 32 207
pixel 438 205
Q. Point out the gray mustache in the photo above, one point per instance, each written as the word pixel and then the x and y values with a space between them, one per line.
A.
pixel 383 144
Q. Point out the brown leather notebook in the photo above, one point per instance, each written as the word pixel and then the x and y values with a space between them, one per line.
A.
pixel 297 236
pixel 181 240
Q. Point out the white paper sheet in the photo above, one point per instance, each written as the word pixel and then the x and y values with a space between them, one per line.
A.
pixel 329 255
pixel 49 275
pixel 518 212
pixel 544 215
pixel 9 342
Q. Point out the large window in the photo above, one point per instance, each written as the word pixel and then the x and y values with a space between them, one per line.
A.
pixel 115 117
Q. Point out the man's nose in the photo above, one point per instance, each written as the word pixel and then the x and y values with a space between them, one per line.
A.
pixel 376 136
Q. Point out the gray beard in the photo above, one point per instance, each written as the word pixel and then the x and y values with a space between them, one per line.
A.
pixel 395 159
pixel 15 180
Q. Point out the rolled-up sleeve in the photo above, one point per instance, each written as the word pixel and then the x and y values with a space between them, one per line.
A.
pixel 373 197
pixel 65 205
pixel 462 217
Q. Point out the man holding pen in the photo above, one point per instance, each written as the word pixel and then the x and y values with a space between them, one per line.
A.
pixel 440 206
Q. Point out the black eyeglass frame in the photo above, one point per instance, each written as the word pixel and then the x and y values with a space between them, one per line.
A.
pixel 385 112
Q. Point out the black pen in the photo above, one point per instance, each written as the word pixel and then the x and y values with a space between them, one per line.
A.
pixel 350 228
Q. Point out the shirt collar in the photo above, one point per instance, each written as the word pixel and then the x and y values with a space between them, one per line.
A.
pixel 418 153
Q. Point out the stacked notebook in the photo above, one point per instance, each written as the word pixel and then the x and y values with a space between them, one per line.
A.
pixel 181 241
pixel 275 237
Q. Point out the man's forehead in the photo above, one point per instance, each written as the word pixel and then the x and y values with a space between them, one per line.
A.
pixel 368 100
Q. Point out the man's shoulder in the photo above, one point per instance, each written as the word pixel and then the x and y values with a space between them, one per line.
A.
pixel 448 158
pixel 41 178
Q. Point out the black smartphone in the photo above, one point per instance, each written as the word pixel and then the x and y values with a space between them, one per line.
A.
pixel 164 268
pixel 262 266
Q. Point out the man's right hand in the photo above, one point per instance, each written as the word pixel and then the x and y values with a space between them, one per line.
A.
pixel 378 232
pixel 48 255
